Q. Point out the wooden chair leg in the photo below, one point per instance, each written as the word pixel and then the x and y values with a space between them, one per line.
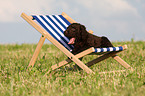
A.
pixel 122 62
pixel 62 63
pixel 37 50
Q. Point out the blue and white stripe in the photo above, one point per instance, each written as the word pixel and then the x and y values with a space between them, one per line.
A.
pixel 109 49
pixel 55 25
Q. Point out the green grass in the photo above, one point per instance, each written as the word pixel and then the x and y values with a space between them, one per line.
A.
pixel 16 81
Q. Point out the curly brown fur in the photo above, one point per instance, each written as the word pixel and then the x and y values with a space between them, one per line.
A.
pixel 83 39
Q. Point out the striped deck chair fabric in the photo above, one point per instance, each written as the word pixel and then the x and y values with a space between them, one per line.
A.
pixel 57 24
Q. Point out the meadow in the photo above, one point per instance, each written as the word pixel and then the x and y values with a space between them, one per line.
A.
pixel 16 81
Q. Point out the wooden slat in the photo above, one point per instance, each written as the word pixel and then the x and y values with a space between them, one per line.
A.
pixel 86 52
pixel 124 47
pixel 90 31
pixel 62 63
pixel 68 18
pixel 37 50
pixel 56 43
pixel 122 62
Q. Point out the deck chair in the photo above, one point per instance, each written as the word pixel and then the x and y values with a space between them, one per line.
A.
pixel 52 28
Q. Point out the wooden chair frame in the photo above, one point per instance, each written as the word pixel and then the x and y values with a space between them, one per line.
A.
pixel 74 58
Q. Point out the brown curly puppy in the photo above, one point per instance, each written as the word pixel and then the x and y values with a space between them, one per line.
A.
pixel 83 40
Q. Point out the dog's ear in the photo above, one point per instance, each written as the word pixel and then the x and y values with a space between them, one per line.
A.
pixel 82 27
pixel 78 32
pixel 83 32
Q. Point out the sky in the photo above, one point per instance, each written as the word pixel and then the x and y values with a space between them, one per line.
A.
pixel 119 20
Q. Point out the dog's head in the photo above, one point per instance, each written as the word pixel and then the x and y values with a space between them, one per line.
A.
pixel 75 32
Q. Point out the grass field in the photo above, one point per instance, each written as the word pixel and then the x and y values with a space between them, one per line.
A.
pixel 16 81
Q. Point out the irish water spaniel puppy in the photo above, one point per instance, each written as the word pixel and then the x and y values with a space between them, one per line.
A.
pixel 83 40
